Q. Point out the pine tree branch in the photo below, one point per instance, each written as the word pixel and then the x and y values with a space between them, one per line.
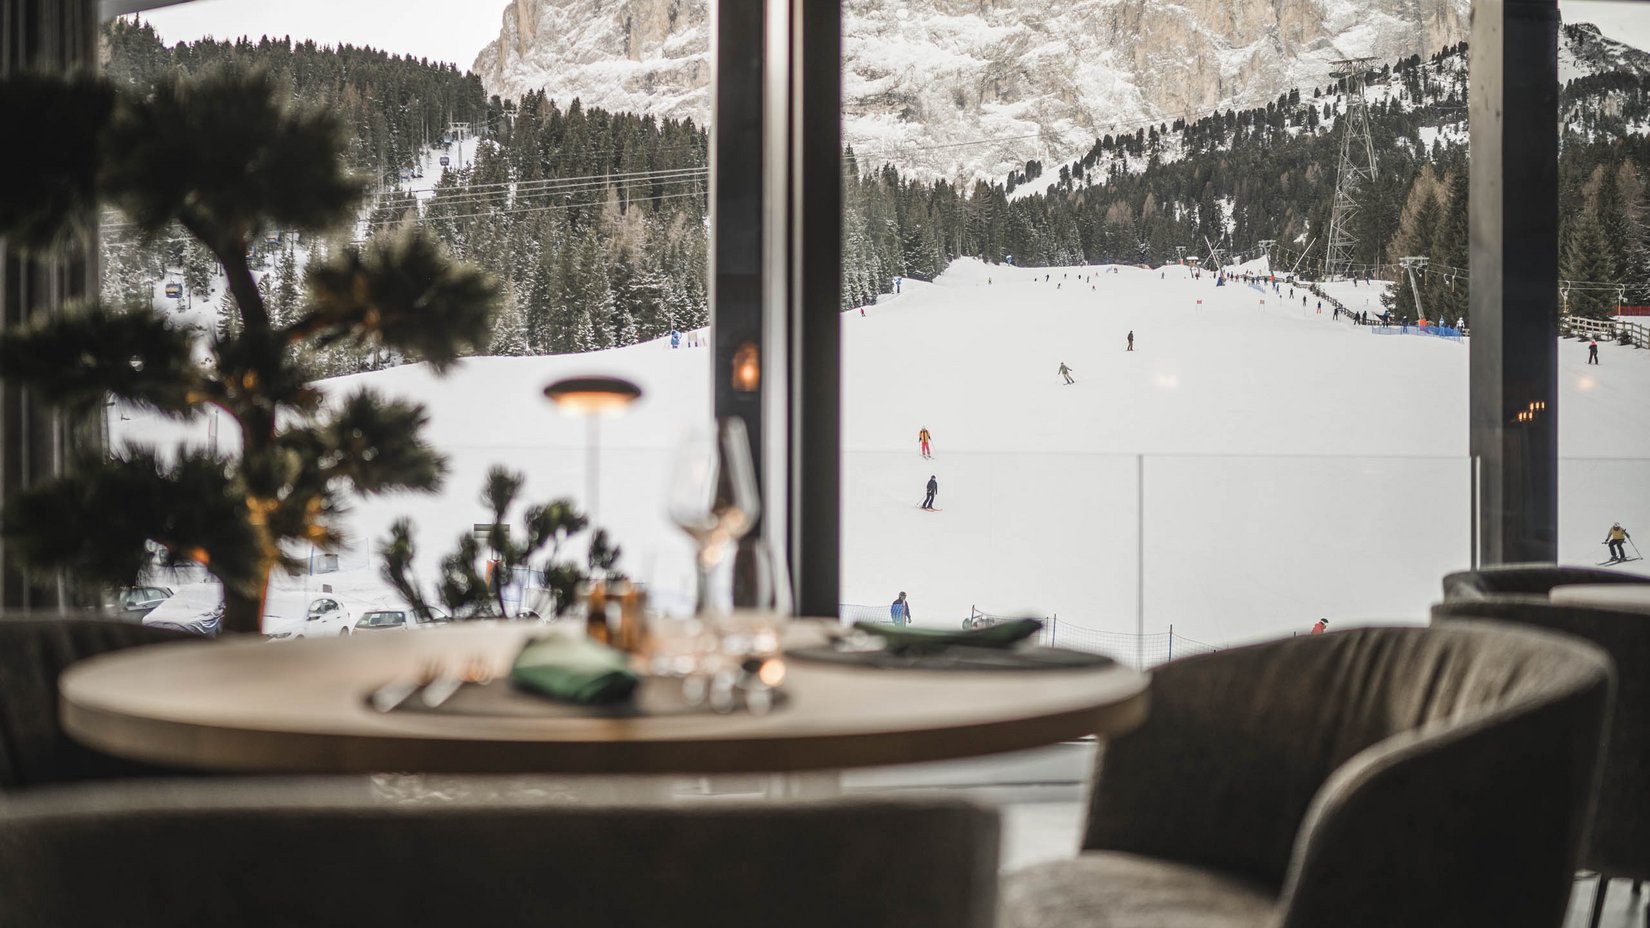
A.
pixel 79 358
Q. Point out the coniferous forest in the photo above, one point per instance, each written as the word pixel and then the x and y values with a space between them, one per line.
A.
pixel 596 222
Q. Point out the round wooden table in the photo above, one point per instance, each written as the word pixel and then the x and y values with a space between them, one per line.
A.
pixel 300 707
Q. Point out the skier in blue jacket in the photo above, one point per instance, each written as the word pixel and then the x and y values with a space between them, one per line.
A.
pixel 900 610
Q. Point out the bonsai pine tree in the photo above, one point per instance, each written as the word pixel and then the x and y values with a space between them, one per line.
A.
pixel 466 593
pixel 225 157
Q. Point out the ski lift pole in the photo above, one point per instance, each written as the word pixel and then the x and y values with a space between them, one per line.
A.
pixel 1308 250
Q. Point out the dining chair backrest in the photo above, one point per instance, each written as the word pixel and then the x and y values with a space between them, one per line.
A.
pixel 1526 579
pixel 1619 841
pixel 262 854
pixel 34 652
pixel 1364 774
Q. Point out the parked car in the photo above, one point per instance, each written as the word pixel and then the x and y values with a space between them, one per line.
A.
pixel 400 620
pixel 195 608
pixel 325 616
pixel 132 603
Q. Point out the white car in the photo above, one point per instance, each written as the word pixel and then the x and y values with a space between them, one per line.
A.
pixel 324 616
pixel 400 619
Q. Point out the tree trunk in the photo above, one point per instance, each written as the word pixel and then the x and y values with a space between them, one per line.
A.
pixel 243 614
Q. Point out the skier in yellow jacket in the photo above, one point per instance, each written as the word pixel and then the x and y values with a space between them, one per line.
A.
pixel 923 437
pixel 1616 539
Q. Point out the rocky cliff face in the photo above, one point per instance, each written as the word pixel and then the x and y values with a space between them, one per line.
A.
pixel 963 88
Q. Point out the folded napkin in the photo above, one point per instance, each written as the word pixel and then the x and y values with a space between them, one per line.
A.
pixel 573 668
pixel 912 638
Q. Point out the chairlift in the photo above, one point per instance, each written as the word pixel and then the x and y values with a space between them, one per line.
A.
pixel 272 238
pixel 175 291
pixel 445 160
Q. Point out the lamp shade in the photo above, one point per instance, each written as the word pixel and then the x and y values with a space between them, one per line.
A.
pixel 592 395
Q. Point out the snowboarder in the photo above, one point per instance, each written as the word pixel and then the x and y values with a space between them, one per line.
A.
pixel 1592 352
pixel 1319 627
pixel 675 339
pixel 1065 372
pixel 1616 539
pixel 1131 340
pixel 933 487
pixel 922 436
pixel 900 610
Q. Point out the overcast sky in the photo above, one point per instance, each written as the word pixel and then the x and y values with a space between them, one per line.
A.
pixel 455 30
pixel 442 30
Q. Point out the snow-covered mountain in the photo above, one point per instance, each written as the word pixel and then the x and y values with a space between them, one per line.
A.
pixel 963 88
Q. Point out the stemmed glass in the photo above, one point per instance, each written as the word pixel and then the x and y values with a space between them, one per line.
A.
pixel 713 497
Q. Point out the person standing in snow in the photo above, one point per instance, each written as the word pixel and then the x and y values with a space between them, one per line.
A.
pixel 1592 352
pixel 675 339
pixel 1065 372
pixel 922 436
pixel 933 487
pixel 900 610
pixel 1131 340
pixel 1321 626
pixel 1616 538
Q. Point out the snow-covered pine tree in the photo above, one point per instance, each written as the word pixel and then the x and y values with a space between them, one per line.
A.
pixel 1447 290
pixel 510 332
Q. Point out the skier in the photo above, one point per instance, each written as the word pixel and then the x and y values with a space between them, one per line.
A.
pixel 900 610
pixel 1321 626
pixel 1616 539
pixel 922 436
pixel 1065 372
pixel 933 487
pixel 1592 352
pixel 675 339
pixel 1131 340
pixel 1461 324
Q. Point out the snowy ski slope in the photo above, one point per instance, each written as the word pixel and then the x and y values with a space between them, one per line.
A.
pixel 1249 468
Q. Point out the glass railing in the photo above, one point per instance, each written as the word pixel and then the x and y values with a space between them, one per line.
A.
pixel 1155 556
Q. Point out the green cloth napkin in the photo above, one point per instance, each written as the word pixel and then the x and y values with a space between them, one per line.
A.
pixel 573 668
pixel 910 637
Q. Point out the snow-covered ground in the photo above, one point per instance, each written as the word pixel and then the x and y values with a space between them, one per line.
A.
pixel 1246 470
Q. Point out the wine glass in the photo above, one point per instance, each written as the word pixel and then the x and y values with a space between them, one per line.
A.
pixel 713 497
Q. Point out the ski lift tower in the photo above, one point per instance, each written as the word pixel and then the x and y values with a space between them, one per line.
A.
pixel 1357 166
pixel 1266 249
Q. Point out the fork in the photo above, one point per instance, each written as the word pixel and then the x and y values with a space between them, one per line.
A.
pixel 392 694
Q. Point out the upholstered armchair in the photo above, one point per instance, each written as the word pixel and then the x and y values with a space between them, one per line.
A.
pixel 1526 580
pixel 321 852
pixel 34 750
pixel 1370 778
pixel 1619 841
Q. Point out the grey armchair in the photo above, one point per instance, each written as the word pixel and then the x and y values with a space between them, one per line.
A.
pixel 1618 844
pixel 1526 580
pixel 153 854
pixel 34 750
pixel 1363 779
